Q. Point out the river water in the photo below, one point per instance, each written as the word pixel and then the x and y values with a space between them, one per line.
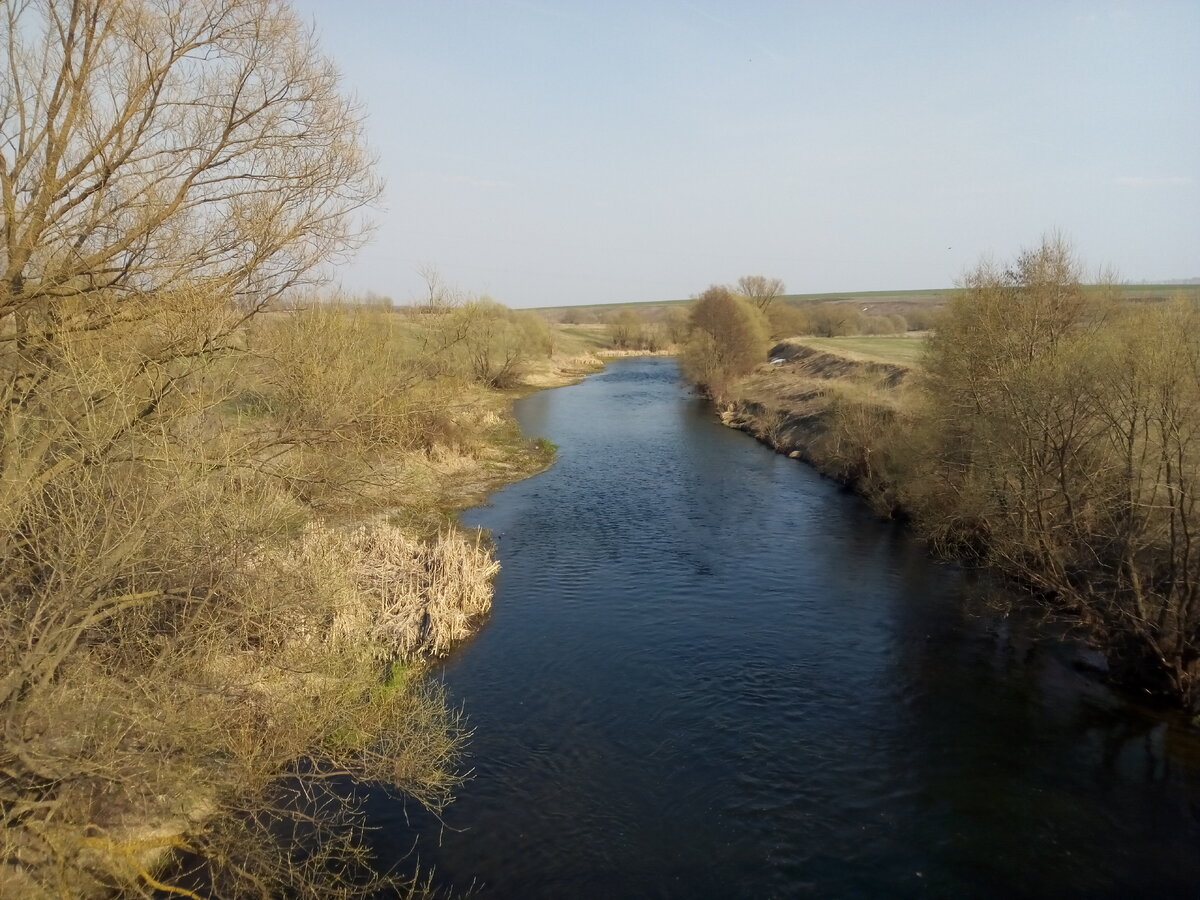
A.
pixel 711 673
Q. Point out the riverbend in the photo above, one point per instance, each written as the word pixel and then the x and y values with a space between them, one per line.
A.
pixel 711 673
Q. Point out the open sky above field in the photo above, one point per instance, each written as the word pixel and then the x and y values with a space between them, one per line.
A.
pixel 582 152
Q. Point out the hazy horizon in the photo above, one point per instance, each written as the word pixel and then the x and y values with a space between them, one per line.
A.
pixel 553 154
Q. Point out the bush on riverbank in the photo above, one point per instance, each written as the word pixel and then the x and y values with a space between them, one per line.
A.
pixel 1052 433
pixel 493 345
pixel 1066 441
pixel 727 337
pixel 196 606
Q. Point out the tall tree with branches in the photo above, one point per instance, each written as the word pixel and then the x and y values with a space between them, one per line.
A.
pixel 761 290
pixel 167 167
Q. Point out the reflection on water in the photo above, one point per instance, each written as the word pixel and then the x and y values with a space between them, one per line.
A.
pixel 710 673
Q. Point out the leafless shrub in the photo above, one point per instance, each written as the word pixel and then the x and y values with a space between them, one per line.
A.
pixel 760 290
pixel 1066 446
pixel 497 343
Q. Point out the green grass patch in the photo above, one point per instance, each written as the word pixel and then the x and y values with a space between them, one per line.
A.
pixel 580 339
pixel 901 349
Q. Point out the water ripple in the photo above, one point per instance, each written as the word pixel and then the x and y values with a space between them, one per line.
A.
pixel 710 673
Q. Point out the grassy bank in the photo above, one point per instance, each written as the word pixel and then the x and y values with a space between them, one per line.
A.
pixel 903 349
pixel 832 403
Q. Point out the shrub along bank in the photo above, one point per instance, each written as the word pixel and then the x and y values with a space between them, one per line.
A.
pixel 222 566
pixel 1051 433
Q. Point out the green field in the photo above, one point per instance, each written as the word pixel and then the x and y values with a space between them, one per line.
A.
pixel 580 339
pixel 882 302
pixel 902 349
pixel 654 308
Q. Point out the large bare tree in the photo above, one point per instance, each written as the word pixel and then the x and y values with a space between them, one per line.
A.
pixel 149 145
pixel 166 166
pixel 761 290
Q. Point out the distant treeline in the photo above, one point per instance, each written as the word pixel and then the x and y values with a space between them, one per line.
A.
pixel 659 326
pixel 833 315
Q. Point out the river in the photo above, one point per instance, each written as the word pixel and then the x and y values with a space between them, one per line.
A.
pixel 709 672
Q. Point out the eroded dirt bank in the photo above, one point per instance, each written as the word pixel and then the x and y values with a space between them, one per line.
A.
pixel 827 410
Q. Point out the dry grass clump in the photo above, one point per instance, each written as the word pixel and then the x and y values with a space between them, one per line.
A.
pixel 563 369
pixel 188 644
pixel 409 598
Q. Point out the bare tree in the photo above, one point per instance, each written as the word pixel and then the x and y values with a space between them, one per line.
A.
pixel 149 146
pixel 761 290
pixel 498 343
pixel 168 168
pixel 1067 453
pixel 439 296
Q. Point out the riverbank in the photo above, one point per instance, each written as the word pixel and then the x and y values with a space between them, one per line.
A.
pixel 500 453
pixel 267 569
pixel 1059 473
pixel 829 410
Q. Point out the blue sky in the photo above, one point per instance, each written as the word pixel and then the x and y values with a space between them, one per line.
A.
pixel 584 152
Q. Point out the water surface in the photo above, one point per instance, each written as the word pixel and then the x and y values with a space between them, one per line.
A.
pixel 711 673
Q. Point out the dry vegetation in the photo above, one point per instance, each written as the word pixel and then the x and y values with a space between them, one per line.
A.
pixel 223 528
pixel 1049 431
pixel 851 417
pixel 1065 449
pixel 199 599
pixel 906 349
pixel 726 338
